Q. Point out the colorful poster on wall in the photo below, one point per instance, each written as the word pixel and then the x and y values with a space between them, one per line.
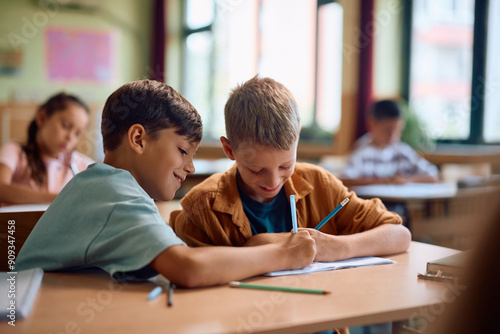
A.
pixel 80 56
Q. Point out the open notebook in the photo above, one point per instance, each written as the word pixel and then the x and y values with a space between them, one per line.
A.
pixel 342 264
pixel 18 291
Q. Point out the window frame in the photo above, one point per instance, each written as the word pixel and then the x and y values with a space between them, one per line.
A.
pixel 478 70
pixel 307 148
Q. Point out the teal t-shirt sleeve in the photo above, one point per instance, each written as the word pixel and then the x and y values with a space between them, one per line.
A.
pixel 102 218
pixel 132 237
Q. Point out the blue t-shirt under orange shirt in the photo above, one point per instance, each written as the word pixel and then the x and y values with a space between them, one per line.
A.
pixel 273 217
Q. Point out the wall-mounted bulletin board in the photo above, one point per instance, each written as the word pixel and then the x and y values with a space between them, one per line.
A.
pixel 80 55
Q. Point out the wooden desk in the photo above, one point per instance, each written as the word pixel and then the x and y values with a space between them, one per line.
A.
pixel 444 217
pixel 15 227
pixel 463 153
pixel 92 303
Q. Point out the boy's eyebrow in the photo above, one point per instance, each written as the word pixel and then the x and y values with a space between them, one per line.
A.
pixel 193 145
pixel 287 163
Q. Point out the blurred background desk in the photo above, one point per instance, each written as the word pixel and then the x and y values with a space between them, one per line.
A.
pixel 441 214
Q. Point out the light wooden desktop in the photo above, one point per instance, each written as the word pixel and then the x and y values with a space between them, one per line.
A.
pixel 92 303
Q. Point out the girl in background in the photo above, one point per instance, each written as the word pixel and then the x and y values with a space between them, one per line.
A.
pixel 37 171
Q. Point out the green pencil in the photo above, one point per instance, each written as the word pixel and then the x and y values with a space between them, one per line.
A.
pixel 276 288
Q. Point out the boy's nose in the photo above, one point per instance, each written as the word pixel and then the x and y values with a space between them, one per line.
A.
pixel 189 167
pixel 273 181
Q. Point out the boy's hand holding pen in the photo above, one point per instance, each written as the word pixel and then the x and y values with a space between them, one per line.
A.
pixel 325 249
pixel 310 235
pixel 300 249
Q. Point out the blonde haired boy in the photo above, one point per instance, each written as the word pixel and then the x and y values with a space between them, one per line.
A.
pixel 249 204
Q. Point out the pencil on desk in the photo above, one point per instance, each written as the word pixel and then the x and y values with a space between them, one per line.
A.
pixel 294 213
pixel 276 288
pixel 170 293
pixel 327 218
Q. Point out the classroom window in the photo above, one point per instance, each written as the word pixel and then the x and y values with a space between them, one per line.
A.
pixel 231 41
pixel 449 83
pixel 492 79
pixel 441 66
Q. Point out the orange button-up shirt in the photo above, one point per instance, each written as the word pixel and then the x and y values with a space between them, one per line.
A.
pixel 212 212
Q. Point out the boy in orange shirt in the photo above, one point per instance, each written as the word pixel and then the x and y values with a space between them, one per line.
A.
pixel 249 204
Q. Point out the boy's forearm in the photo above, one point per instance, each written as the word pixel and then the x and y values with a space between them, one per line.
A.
pixel 265 238
pixel 382 240
pixel 220 266
pixel 195 267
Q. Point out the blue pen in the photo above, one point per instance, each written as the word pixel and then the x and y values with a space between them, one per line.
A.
pixel 327 218
pixel 155 293
pixel 294 213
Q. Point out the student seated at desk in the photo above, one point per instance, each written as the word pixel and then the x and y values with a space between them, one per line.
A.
pixel 106 216
pixel 249 204
pixel 380 157
pixel 37 171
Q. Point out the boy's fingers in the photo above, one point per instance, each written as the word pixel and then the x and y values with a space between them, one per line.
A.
pixel 304 231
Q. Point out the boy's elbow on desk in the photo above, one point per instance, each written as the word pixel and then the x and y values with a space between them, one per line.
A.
pixel 192 267
pixel 390 238
pixel 178 266
pixel 403 238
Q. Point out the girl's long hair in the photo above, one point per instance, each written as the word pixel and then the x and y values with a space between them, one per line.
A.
pixel 54 104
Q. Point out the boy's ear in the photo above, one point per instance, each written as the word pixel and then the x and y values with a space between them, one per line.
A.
pixel 226 146
pixel 136 137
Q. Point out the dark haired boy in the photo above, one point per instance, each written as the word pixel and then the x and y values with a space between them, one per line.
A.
pixel 380 156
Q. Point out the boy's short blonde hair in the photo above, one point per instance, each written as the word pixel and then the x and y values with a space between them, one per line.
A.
pixel 262 111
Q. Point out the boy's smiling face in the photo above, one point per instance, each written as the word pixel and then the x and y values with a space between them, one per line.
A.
pixel 263 170
pixel 166 162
